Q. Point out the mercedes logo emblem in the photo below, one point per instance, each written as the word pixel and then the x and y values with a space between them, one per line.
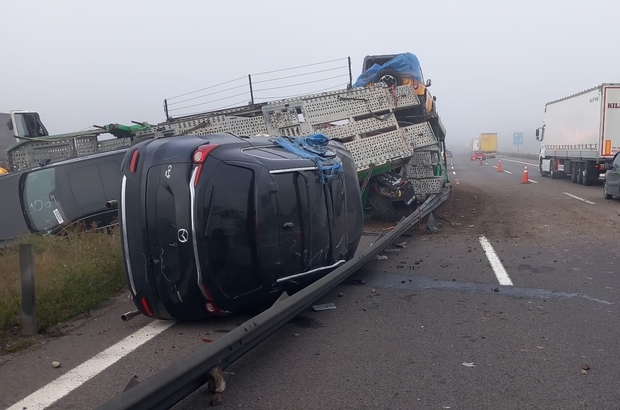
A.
pixel 183 235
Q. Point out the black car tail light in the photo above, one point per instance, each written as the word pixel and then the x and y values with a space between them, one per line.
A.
pixel 210 306
pixel 146 307
pixel 133 165
pixel 200 156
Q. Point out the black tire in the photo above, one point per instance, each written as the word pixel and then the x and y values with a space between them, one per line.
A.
pixel 389 77
pixel 579 173
pixel 586 174
pixel 573 173
pixel 383 208
pixel 553 173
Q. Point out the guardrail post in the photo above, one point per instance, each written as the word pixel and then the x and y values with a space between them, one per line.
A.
pixel 26 268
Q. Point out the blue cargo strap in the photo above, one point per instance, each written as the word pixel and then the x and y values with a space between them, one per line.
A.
pixel 313 147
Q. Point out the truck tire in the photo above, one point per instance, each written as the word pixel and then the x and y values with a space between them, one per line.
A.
pixel 574 173
pixel 586 173
pixel 553 173
pixel 579 167
pixel 382 207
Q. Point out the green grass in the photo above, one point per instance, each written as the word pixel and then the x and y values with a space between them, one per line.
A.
pixel 74 273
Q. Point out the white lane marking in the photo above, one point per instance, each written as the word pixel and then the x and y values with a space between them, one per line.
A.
pixel 496 264
pixel 74 378
pixel 531 180
pixel 457 182
pixel 495 166
pixel 520 162
pixel 486 163
pixel 578 198
pixel 508 172
pixel 453 172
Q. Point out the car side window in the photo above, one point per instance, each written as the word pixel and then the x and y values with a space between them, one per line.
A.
pixel 616 162
pixel 86 186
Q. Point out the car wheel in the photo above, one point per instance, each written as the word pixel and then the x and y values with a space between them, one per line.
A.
pixel 605 194
pixel 388 78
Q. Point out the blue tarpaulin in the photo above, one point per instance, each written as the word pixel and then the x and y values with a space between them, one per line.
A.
pixel 405 63
pixel 313 147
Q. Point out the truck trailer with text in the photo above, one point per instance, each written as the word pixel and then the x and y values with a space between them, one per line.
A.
pixel 580 134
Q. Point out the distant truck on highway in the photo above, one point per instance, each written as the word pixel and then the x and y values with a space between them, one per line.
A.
pixel 488 144
pixel 580 134
pixel 475 145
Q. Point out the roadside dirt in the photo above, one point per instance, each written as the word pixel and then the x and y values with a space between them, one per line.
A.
pixel 504 214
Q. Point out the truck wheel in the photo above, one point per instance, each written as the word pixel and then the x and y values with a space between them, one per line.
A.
pixel 382 207
pixel 573 174
pixel 587 174
pixel 553 172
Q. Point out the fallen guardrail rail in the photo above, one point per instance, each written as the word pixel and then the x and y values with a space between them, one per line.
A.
pixel 168 387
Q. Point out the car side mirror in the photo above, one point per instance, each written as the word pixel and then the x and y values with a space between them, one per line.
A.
pixel 429 82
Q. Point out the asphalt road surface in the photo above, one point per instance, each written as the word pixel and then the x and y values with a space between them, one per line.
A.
pixel 513 304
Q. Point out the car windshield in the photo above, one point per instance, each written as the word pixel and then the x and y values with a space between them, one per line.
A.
pixel 43 207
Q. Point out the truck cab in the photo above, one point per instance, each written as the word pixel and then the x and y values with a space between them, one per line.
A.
pixel 14 127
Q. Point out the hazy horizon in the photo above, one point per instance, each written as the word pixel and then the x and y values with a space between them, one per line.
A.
pixel 493 66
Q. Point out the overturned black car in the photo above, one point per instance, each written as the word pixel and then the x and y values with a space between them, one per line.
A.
pixel 220 223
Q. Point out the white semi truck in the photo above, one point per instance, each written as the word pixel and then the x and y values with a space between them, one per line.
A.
pixel 580 134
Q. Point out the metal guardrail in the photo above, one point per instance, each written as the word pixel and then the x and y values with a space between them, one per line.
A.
pixel 165 389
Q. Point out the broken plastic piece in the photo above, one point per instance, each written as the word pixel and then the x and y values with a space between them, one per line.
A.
pixel 380 257
pixel 326 306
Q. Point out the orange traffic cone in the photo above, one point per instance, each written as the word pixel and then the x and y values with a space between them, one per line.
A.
pixel 499 165
pixel 526 178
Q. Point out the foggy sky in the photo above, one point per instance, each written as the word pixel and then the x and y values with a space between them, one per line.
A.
pixel 493 64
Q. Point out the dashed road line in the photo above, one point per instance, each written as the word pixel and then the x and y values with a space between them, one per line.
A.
pixel 508 172
pixel 531 180
pixel 496 264
pixel 578 198
pixel 453 172
pixel 520 162
pixel 74 378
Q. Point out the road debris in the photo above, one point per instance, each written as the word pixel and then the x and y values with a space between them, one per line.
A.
pixel 325 306
pixel 357 282
pixel 466 364
pixel 216 384
pixel 55 365
pixel 585 368
pixel 401 245
pixel 380 257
